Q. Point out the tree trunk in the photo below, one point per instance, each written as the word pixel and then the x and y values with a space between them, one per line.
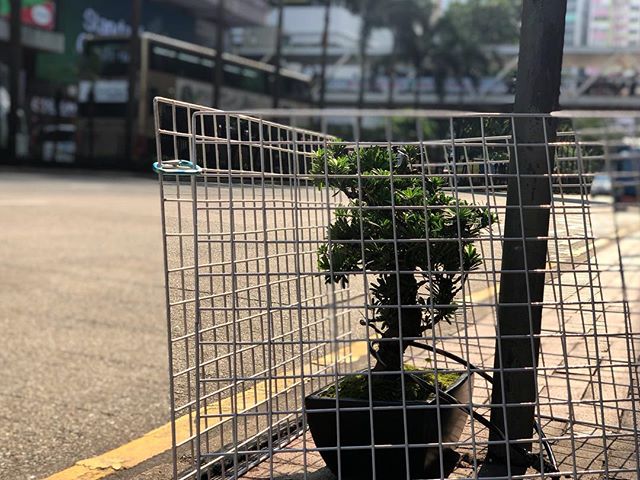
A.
pixel 393 346
pixel 391 349
pixel 392 85
pixel 523 261
pixel 325 48
pixel 278 56
pixel 416 91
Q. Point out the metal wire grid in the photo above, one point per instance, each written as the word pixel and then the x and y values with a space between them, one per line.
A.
pixel 253 328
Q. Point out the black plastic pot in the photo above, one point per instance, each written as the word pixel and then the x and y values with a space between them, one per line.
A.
pixel 389 434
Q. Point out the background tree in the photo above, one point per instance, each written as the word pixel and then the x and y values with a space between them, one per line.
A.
pixel 388 65
pixel 487 22
pixel 469 30
pixel 453 44
pixel 455 56
pixel 413 25
pixel 373 14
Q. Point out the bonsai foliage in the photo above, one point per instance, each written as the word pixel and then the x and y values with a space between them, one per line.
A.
pixel 414 240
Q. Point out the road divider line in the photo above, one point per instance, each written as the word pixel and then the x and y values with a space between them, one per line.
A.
pixel 158 441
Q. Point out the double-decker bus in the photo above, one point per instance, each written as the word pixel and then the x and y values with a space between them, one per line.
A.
pixel 169 68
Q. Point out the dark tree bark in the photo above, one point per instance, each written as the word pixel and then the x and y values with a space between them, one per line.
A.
pixel 521 281
pixel 404 322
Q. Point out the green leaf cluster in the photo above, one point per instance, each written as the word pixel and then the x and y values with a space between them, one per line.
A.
pixel 402 226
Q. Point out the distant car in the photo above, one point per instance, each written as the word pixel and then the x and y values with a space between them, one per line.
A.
pixel 602 184
pixel 626 188
pixel 626 178
pixel 59 143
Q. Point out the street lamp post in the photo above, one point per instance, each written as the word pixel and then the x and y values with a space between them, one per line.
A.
pixel 15 64
pixel 325 48
pixel 218 67
pixel 134 60
pixel 418 31
pixel 278 56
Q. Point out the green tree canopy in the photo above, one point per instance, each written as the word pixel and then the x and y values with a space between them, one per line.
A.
pixel 486 22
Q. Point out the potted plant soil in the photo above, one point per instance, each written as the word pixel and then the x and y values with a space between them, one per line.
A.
pixel 416 243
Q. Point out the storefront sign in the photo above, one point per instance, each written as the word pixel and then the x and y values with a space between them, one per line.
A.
pixel 95 24
pixel 41 105
pixel 79 18
pixel 35 13
pixel 35 38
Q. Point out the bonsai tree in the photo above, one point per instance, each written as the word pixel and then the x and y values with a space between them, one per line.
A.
pixel 415 240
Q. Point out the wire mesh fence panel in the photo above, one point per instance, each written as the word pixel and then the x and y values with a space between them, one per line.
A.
pixel 364 294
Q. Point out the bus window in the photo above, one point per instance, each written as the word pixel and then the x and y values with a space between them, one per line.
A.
pixel 244 77
pixel 296 89
pixel 179 63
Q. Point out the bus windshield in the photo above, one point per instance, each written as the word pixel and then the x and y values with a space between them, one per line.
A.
pixel 106 58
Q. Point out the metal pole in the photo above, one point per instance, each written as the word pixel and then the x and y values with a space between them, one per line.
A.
pixel 91 125
pixel 57 122
pixel 391 73
pixel 524 255
pixel 278 57
pixel 134 65
pixel 325 48
pixel 15 68
pixel 218 68
pixel 363 40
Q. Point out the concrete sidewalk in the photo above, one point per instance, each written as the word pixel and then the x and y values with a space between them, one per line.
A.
pixel 587 384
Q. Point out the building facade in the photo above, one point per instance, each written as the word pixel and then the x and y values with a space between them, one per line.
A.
pixel 577 21
pixel 52 37
pixel 302 43
pixel 614 23
pixel 188 20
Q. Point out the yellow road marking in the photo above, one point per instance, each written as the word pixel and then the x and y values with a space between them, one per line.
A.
pixel 158 441
pixel 480 295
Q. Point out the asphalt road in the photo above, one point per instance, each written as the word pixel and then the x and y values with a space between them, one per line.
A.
pixel 83 362
pixel 83 358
